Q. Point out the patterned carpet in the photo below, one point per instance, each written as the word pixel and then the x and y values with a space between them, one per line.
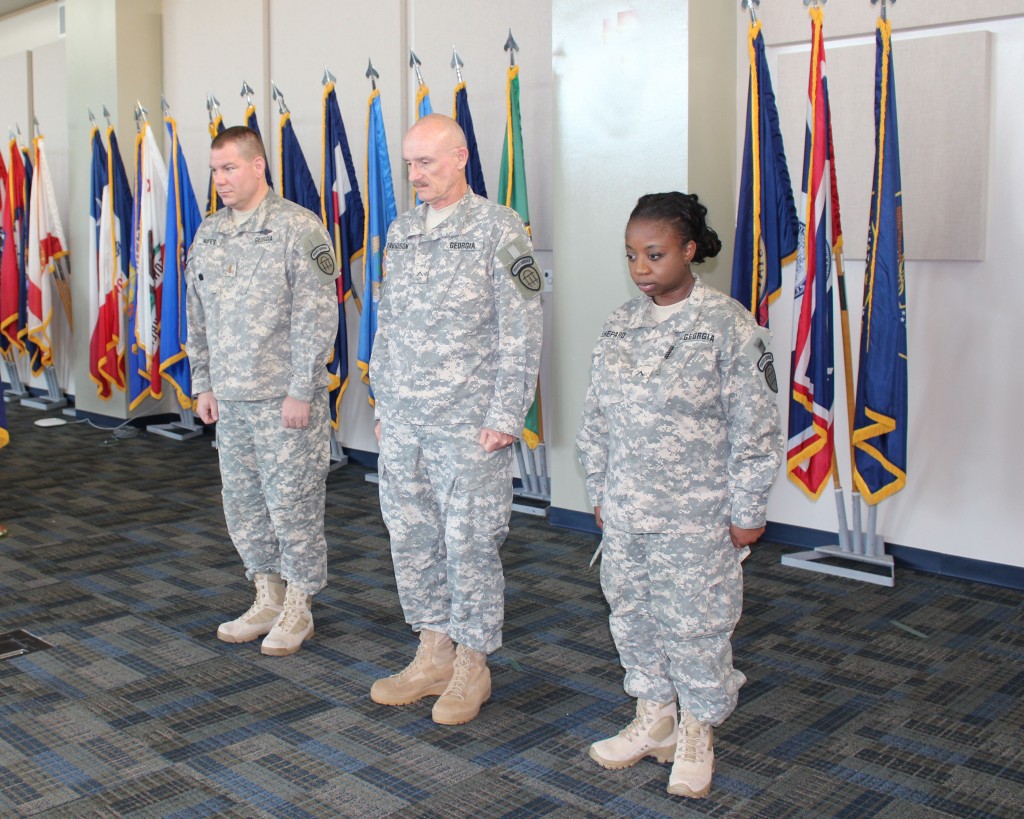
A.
pixel 861 700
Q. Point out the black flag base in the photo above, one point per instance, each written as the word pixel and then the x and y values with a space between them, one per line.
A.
pixel 54 398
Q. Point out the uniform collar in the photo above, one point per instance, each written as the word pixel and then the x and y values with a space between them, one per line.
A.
pixel 643 316
pixel 256 222
pixel 452 226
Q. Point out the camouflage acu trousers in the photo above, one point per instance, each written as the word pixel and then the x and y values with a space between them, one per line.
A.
pixel 675 600
pixel 274 488
pixel 446 503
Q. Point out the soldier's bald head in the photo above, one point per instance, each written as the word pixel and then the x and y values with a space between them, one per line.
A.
pixel 442 131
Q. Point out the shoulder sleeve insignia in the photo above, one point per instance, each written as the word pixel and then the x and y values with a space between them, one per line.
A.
pixel 517 258
pixel 321 254
pixel 759 354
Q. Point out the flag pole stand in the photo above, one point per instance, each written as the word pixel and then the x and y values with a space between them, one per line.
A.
pixel 181 430
pixel 338 456
pixel 16 390
pixel 866 547
pixel 54 398
pixel 533 497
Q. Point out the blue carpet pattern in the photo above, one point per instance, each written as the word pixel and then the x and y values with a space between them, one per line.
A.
pixel 861 701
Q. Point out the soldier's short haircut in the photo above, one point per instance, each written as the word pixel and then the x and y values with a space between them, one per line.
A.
pixel 245 139
pixel 686 215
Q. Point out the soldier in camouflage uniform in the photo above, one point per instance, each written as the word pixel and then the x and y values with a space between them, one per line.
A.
pixel 453 371
pixel 262 315
pixel 680 439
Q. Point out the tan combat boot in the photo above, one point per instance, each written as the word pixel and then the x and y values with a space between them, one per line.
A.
pixel 695 759
pixel 470 687
pixel 262 614
pixel 293 626
pixel 426 676
pixel 651 733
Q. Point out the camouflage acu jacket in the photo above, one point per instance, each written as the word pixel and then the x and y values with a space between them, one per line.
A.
pixel 262 305
pixel 680 431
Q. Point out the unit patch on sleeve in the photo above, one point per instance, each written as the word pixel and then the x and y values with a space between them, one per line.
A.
pixel 321 254
pixel 761 357
pixel 517 258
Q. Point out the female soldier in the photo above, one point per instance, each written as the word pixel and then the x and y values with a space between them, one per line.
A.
pixel 680 439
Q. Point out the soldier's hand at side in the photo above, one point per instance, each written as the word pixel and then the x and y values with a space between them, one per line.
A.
pixel 376 431
pixel 206 407
pixel 744 537
pixel 294 413
pixel 597 517
pixel 492 440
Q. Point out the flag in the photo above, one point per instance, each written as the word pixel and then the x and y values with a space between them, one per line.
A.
pixel 102 306
pixel 149 223
pixel 48 264
pixel 380 212
pixel 296 181
pixel 115 258
pixel 183 220
pixel 254 123
pixel 341 208
pixel 4 437
pixel 462 115
pixel 10 276
pixel 423 107
pixel 212 200
pixel 22 203
pixel 880 419
pixel 811 445
pixel 512 194
pixel 767 227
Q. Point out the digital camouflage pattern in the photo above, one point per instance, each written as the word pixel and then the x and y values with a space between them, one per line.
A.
pixel 680 430
pixel 457 349
pixel 446 503
pixel 675 600
pixel 274 487
pixel 261 314
pixel 680 436
pixel 458 340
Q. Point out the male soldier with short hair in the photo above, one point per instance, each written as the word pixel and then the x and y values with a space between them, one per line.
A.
pixel 262 315
pixel 454 370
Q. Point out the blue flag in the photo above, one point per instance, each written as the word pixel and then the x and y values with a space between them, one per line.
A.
pixel 341 208
pixel 462 115
pixel 212 200
pixel 880 418
pixel 767 227
pixel 253 122
pixel 423 106
pixel 296 181
pixel 183 220
pixel 380 213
